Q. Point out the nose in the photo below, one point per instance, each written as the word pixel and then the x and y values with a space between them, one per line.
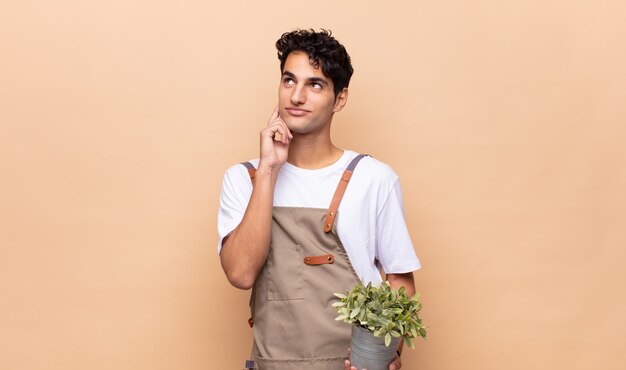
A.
pixel 298 95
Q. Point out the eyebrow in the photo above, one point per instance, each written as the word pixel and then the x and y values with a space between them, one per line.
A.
pixel 309 79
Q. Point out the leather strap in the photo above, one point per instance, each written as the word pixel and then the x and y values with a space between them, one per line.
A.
pixel 341 189
pixel 339 192
pixel 324 259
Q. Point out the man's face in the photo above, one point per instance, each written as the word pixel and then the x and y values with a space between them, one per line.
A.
pixel 306 99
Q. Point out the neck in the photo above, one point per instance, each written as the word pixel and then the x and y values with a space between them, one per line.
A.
pixel 313 151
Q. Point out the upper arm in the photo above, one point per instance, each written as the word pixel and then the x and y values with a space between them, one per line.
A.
pixel 234 198
pixel 394 248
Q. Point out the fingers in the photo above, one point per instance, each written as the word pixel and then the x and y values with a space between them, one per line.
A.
pixel 285 134
pixel 347 363
pixel 274 115
pixel 396 364
pixel 278 131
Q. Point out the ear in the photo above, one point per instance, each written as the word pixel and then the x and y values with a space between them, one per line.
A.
pixel 341 99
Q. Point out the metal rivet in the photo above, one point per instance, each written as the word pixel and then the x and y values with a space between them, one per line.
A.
pixel 308 260
pixel 327 225
pixel 330 258
pixel 332 213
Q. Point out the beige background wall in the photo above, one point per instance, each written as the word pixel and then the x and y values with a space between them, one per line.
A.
pixel 504 119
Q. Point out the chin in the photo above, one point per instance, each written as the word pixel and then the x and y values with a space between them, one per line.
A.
pixel 296 130
pixel 295 124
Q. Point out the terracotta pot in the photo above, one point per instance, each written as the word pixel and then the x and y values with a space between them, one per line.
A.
pixel 369 352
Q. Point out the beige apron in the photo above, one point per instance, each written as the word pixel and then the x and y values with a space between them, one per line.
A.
pixel 291 302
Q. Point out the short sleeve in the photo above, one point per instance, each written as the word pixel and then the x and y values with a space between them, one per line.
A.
pixel 394 249
pixel 234 199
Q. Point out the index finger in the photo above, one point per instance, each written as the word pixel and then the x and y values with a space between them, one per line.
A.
pixel 274 114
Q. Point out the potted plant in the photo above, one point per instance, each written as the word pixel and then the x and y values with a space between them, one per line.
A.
pixel 380 317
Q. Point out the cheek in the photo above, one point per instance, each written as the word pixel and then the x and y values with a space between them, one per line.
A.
pixel 283 95
pixel 330 104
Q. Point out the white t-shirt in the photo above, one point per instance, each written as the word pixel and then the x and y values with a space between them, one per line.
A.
pixel 370 219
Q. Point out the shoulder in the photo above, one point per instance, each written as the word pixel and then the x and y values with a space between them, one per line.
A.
pixel 238 173
pixel 372 179
pixel 378 167
pixel 374 170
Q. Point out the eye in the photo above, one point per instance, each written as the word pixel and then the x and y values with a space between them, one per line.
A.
pixel 288 81
pixel 316 85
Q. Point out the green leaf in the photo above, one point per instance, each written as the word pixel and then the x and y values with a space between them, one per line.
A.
pixel 387 339
pixel 409 342
pixel 355 312
pixel 385 311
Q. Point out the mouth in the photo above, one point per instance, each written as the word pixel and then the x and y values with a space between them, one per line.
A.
pixel 297 112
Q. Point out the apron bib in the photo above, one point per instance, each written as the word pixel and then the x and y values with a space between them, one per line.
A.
pixel 291 303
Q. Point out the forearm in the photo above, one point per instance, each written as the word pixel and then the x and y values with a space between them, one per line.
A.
pixel 407 281
pixel 245 250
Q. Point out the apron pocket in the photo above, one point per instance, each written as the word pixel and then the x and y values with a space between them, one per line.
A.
pixel 284 273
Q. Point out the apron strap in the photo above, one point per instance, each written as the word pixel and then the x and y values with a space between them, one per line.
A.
pixel 341 189
pixel 251 171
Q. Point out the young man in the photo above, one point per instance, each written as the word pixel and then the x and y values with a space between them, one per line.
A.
pixel 304 221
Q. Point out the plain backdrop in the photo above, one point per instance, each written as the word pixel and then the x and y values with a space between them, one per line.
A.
pixel 506 121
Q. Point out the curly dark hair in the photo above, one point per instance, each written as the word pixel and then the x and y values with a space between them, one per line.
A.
pixel 323 49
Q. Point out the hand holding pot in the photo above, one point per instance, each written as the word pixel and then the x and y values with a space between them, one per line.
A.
pixel 396 364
